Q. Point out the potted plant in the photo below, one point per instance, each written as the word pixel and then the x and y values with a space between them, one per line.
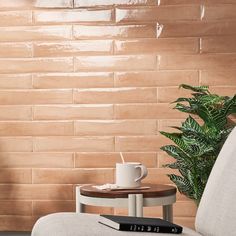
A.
pixel 197 144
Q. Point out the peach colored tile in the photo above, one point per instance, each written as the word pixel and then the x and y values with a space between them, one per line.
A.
pixel 170 94
pixel 158 176
pixel 114 127
pixel 114 31
pixel 148 143
pixel 72 16
pixel 164 159
pixel 75 48
pixel 99 210
pixel 16 223
pixel 68 144
pixel 41 208
pixel 73 112
pixel 158 13
pixel 28 4
pixel 198 28
pixel 109 159
pixel 22 208
pixel 224 90
pixel 36 192
pixel 155 78
pixel 72 176
pixel 206 61
pixel 73 80
pixel 54 3
pixel 173 2
pixel 36 128
pixel 16 144
pixel 185 209
pixel 14 18
pixel 167 125
pixel 15 176
pixel 15 50
pixel 93 3
pixel 36 160
pixel 223 44
pixel 116 95
pixel 219 12
pixel 15 81
pixel 179 2
pixel 161 45
pixel 218 77
pixel 15 112
pixel 185 221
pixel 34 33
pixel 28 65
pixel 147 111
pixel 115 63
pixel 20 97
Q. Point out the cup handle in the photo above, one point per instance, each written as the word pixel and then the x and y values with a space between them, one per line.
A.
pixel 144 172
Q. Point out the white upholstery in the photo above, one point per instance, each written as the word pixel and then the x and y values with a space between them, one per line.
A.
pixel 216 215
pixel 83 224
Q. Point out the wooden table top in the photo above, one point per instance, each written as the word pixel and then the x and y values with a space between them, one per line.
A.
pixel 155 190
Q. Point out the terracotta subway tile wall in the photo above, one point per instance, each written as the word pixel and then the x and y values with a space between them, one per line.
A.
pixel 82 80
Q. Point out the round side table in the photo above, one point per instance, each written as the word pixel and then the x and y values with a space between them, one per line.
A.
pixel 134 200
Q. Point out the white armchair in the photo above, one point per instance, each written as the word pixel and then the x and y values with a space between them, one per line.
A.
pixel 216 215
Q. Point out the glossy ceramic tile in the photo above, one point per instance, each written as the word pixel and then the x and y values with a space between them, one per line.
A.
pixel 9 207
pixel 113 127
pixel 36 160
pixel 14 18
pixel 15 176
pixel 161 45
pixel 109 159
pixel 16 144
pixel 75 176
pixel 158 14
pixel 36 128
pixel 214 77
pixel 34 33
pixel 155 78
pixel 147 111
pixel 138 143
pixel 75 16
pixel 26 97
pixel 28 4
pixel 73 80
pixel 223 44
pixel 219 12
pixel 46 207
pixel 82 80
pixel 114 31
pixel 116 63
pixel 93 3
pixel 15 81
pixel 8 50
pixel 36 192
pixel 116 95
pixel 9 112
pixel 73 144
pixel 73 112
pixel 74 48
pixel 36 65
pixel 209 61
pixel 198 28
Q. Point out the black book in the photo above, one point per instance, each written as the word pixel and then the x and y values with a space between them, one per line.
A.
pixel 141 224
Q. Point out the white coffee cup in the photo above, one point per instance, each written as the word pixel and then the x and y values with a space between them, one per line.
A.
pixel 130 174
